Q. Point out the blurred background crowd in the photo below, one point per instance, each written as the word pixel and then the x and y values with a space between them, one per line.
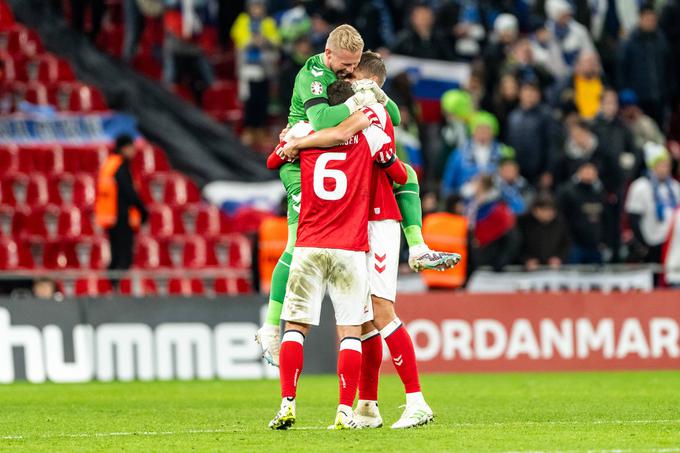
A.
pixel 561 147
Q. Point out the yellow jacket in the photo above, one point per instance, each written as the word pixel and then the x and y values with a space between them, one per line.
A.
pixel 241 34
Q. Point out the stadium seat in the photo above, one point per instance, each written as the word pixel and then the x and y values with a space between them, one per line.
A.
pixel 8 159
pixel 14 255
pixel 93 253
pixel 179 191
pixel 52 69
pixel 222 103
pixel 19 220
pixel 149 159
pixel 84 191
pixel 110 38
pixel 6 16
pixel 19 40
pixel 185 287
pixel 36 93
pixel 60 189
pixel 87 99
pixel 7 68
pixel 152 189
pixel 137 287
pixel 92 158
pixel 230 251
pixel 60 254
pixel 147 64
pixel 231 286
pixel 73 223
pixel 42 223
pixel 150 254
pixel 41 159
pixel 13 189
pixel 194 252
pixel 59 94
pixel 210 221
pixel 93 286
pixel 6 220
pixel 36 191
pixel 161 222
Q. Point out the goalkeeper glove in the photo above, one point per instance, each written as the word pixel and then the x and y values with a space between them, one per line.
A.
pixel 360 100
pixel 367 84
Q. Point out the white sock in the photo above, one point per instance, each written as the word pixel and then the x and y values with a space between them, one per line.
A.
pixel 288 402
pixel 418 249
pixel 414 398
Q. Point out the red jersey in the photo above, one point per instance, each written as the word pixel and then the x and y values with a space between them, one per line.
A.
pixel 383 205
pixel 336 190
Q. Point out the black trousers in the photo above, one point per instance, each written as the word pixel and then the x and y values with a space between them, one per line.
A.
pixel 121 239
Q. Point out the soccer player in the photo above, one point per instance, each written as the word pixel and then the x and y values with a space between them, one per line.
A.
pixel 384 218
pixel 330 253
pixel 309 102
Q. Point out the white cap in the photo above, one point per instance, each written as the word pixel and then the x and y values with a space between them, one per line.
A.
pixel 505 22
pixel 655 153
pixel 555 9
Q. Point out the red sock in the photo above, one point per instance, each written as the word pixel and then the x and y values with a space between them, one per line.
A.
pixel 371 358
pixel 291 358
pixel 403 355
pixel 349 368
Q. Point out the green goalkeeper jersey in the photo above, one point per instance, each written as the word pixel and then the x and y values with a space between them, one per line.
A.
pixel 311 88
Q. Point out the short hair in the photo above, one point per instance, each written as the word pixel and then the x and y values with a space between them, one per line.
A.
pixel 345 37
pixel 339 91
pixel 122 141
pixel 373 64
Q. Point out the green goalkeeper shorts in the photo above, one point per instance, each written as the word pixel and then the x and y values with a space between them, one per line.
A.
pixel 290 177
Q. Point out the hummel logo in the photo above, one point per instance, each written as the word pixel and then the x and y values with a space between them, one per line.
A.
pixel 380 269
pixel 398 361
pixel 316 72
pixel 379 257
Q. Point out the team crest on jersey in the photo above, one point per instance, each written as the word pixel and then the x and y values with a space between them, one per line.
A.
pixel 316 87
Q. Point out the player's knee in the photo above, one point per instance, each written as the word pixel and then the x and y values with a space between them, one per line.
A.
pixel 349 331
pixel 302 328
pixel 383 312
pixel 367 327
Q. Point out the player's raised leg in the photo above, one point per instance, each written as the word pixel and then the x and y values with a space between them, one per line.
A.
pixel 420 255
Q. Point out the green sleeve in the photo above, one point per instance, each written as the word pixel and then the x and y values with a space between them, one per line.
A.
pixel 323 116
pixel 393 111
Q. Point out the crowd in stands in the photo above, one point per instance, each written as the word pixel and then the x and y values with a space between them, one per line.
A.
pixel 565 133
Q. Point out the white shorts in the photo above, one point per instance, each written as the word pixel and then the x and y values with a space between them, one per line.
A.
pixel 345 275
pixel 383 260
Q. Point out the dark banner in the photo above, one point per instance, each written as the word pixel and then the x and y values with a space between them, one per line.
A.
pixel 143 339
pixel 543 332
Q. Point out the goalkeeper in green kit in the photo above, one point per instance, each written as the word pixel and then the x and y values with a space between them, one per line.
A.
pixel 309 102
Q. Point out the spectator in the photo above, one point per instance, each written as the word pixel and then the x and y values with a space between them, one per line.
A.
pixel 643 128
pixel 294 25
pixel 301 51
pixel 257 39
pixel 505 100
pixel 373 21
pixel 520 62
pixel 468 32
pixel 582 203
pixel 612 20
pixel 583 89
pixel 45 288
pixel 183 56
pixel 572 37
pixel 495 237
pixel 547 53
pixel 480 154
pixel 429 203
pixel 118 208
pixel 504 36
pixel 617 143
pixel 322 25
pixel 457 109
pixel 134 12
pixel 582 145
pixel 651 201
pixel 421 39
pixel 531 131
pixel 668 23
pixel 545 235
pixel 645 67
pixel 515 190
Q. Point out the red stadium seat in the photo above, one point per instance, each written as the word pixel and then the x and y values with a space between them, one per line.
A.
pixel 93 253
pixel 42 223
pixel 84 192
pixel 13 188
pixel 8 70
pixel 36 93
pixel 221 102
pixel 52 69
pixel 74 224
pixel 92 158
pixel 93 286
pixel 209 221
pixel 6 220
pixel 185 286
pixel 137 287
pixel 46 160
pixel 110 38
pixel 60 254
pixel 6 16
pixel 231 286
pixel 36 191
pixel 152 189
pixel 87 99
pixel 21 40
pixel 147 64
pixel 161 222
pixel 59 94
pixel 193 252
pixel 15 220
pixel 150 254
pixel 8 159
pixel 60 189
pixel 150 159
pixel 180 191
pixel 14 255
pixel 230 251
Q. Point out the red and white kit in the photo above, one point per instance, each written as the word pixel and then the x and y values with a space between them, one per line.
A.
pixel 384 233
pixel 332 240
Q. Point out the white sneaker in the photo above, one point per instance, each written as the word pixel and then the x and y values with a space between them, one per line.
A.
pixel 368 414
pixel 268 337
pixel 417 414
pixel 431 259
pixel 344 419
pixel 285 417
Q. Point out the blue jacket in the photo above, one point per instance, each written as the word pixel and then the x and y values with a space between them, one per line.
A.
pixel 461 167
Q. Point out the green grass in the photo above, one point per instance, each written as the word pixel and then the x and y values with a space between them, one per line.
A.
pixel 632 411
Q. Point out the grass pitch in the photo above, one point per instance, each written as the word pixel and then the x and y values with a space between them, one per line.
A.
pixel 631 411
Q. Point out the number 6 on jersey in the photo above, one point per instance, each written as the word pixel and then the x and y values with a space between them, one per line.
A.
pixel 321 173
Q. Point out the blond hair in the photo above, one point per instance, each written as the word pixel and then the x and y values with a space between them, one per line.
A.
pixel 345 37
